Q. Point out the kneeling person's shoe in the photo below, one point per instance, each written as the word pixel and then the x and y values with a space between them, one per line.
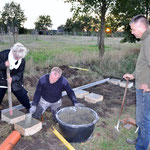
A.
pixel 54 116
pixel 130 141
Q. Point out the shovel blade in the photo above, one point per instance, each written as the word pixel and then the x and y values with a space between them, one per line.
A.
pixel 117 126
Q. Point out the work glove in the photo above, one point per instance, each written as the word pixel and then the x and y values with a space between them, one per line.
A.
pixel 32 109
pixel 79 105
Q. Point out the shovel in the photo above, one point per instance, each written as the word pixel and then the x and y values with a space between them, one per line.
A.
pixel 9 92
pixel 125 93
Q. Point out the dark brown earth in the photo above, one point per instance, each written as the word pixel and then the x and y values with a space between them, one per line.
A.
pixel 45 139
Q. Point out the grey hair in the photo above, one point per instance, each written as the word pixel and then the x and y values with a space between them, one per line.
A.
pixel 140 18
pixel 19 50
pixel 57 70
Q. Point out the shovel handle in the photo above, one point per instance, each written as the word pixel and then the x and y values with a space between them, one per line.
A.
pixel 124 97
pixel 9 92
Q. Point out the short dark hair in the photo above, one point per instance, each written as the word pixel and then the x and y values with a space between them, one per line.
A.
pixel 140 18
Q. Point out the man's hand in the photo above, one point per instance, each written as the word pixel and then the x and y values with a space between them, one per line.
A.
pixel 32 109
pixel 128 76
pixel 9 80
pixel 145 88
pixel 79 105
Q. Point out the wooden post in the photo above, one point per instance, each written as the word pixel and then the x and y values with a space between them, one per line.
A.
pixel 9 92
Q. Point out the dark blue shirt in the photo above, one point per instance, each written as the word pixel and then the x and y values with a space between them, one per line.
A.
pixel 52 92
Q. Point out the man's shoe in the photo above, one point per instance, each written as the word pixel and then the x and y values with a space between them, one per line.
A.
pixel 27 111
pixel 54 116
pixel 129 141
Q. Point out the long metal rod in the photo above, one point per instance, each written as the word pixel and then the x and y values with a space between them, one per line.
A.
pixel 9 92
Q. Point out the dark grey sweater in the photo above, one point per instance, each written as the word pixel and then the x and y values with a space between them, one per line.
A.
pixel 52 92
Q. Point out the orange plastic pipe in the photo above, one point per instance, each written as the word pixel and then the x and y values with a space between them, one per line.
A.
pixel 10 141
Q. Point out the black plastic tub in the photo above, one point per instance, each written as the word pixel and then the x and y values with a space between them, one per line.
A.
pixel 76 123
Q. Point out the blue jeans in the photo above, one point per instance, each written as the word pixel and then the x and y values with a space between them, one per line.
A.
pixel 143 119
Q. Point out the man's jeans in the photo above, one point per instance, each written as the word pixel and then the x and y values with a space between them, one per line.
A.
pixel 43 105
pixel 143 119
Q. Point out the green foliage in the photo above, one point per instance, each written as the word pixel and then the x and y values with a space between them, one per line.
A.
pixel 82 23
pixel 12 15
pixel 111 22
pixel 43 22
pixel 123 11
pixel 69 25
pixel 128 63
pixel 23 30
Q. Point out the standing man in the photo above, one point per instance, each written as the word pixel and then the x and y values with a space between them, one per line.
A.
pixel 140 28
pixel 49 92
pixel 14 59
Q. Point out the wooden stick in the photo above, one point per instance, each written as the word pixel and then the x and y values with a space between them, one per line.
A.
pixel 9 92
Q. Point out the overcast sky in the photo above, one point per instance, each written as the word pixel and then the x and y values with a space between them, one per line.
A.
pixel 56 9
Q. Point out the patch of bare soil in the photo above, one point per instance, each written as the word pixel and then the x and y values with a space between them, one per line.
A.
pixel 113 96
pixel 73 75
pixel 45 139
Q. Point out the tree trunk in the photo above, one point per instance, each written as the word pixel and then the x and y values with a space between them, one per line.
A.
pixel 102 29
pixel 147 8
pixel 15 33
pixel 2 39
pixel 9 33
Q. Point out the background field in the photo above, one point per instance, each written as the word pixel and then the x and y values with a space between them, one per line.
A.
pixel 78 51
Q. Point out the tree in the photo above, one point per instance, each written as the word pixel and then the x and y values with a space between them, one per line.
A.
pixel 61 29
pixel 146 7
pixel 83 23
pixel 112 23
pixel 69 25
pixel 13 18
pixel 125 10
pixel 43 23
pixel 99 8
pixel 1 29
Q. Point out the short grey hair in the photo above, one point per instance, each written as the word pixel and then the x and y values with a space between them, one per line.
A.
pixel 19 50
pixel 140 18
pixel 57 70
